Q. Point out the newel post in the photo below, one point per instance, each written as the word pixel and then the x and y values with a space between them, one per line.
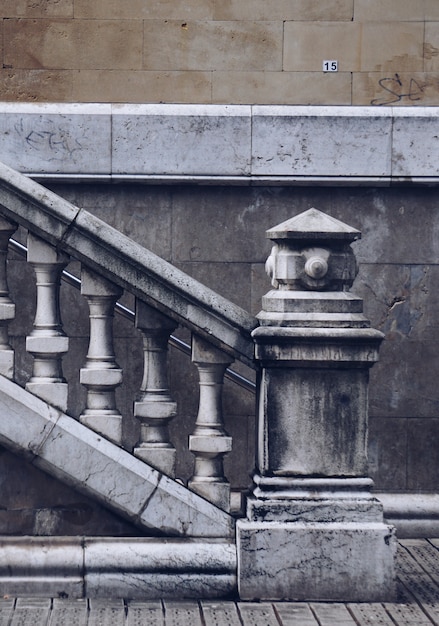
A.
pixel 313 530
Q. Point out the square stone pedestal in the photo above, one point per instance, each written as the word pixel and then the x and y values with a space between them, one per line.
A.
pixel 349 562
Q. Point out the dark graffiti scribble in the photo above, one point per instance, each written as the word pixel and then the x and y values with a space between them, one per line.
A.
pixel 396 90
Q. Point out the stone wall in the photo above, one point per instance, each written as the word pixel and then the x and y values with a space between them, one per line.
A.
pixel 220 51
pixel 207 214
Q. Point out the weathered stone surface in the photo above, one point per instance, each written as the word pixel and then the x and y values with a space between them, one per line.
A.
pixel 137 9
pixel 185 139
pixel 416 157
pixel 38 135
pixel 156 569
pixel 212 45
pixel 139 85
pixel 212 143
pixel 301 10
pixel 73 44
pixel 115 568
pixel 248 87
pixel 36 85
pixel 42 8
pixel 288 143
pixel 376 11
pixel 360 555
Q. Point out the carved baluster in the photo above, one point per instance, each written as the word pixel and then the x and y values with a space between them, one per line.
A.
pixel 155 406
pixel 7 307
pixel 101 374
pixel 47 342
pixel 209 441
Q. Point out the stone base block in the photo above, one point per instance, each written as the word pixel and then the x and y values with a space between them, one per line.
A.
pixel 163 459
pixel 346 562
pixel 216 492
pixel 110 426
pixel 53 393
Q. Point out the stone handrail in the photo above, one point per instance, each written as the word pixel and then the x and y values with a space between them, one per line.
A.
pixel 165 297
pixel 128 264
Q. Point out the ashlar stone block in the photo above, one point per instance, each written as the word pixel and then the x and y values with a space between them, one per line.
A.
pixel 300 561
pixel 212 45
pixel 181 139
pixel 288 141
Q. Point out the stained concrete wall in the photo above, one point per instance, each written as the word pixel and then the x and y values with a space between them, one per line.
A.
pixel 217 51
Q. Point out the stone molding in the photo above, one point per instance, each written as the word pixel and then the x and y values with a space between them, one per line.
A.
pixel 221 144
pixel 99 567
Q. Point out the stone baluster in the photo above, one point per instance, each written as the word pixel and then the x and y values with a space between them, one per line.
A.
pixel 101 375
pixel 47 342
pixel 155 406
pixel 7 307
pixel 209 441
pixel 314 530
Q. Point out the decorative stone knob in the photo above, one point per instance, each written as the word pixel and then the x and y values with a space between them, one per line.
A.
pixel 312 267
pixel 316 267
pixel 312 251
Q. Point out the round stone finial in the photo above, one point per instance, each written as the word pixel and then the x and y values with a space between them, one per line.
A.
pixel 316 267
pixel 312 251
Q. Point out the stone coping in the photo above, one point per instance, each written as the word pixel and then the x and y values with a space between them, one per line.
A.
pixel 221 144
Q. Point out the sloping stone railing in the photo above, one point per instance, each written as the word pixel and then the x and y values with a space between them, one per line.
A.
pixel 312 347
pixel 165 298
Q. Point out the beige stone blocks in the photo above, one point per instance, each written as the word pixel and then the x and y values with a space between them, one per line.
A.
pixel 431 47
pixel 284 87
pixel 36 85
pixel 144 9
pixel 73 44
pixel 142 86
pixel 372 46
pixel 389 10
pixel 220 51
pixel 405 89
pixel 431 10
pixel 176 45
pixel 37 8
pixel 304 10
pixel 307 44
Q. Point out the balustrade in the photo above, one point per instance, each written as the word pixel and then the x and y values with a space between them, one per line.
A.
pixel 209 441
pixel 7 307
pixel 47 341
pixel 101 374
pixel 155 406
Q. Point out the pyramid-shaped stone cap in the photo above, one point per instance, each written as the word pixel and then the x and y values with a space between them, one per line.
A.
pixel 313 225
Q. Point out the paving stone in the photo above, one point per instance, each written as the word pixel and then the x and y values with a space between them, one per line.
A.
pixel 141 613
pixel 220 614
pixel 107 613
pixel 69 612
pixel 330 614
pixel 407 615
pixel 31 611
pixel 371 615
pixel 182 614
pixel 295 614
pixel 426 555
pixel 6 609
pixel 255 614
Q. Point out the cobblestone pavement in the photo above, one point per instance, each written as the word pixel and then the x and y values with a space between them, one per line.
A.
pixel 418 605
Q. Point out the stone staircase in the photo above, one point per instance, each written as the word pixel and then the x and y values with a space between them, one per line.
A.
pixel 312 529
pixel 87 454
